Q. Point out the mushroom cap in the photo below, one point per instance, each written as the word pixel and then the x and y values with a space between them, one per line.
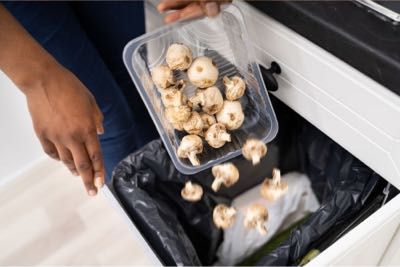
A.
pixel 231 115
pixel 178 126
pixel 189 147
pixel 256 215
pixel 172 97
pixel 224 216
pixel 210 99
pixel 234 87
pixel 177 114
pixel 208 120
pixel 203 72
pixel 216 136
pixel 194 125
pixel 272 189
pixel 162 76
pixel 254 150
pixel 179 57
pixel 192 192
pixel 226 174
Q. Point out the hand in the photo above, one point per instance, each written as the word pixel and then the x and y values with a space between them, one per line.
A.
pixel 67 120
pixel 187 9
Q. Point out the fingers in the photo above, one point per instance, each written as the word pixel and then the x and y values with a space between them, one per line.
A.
pixel 84 166
pixel 98 118
pixel 96 158
pixel 193 10
pixel 165 5
pixel 67 159
pixel 211 9
pixel 49 148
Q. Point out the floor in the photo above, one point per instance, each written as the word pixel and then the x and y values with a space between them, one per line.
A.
pixel 47 219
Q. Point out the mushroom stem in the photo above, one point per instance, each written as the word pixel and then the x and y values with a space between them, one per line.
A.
pixel 230 212
pixel 217 184
pixel 255 158
pixel 193 158
pixel 261 227
pixel 226 137
pixel 276 177
pixel 189 186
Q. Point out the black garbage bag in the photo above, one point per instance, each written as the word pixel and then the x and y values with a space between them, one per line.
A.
pixel 341 182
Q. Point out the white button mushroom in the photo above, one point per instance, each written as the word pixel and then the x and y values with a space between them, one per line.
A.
pixel 272 189
pixel 254 150
pixel 174 96
pixel 208 120
pixel 226 174
pixel 162 76
pixel 178 57
pixel 231 115
pixel 190 146
pixel 194 125
pixel 203 72
pixel 224 216
pixel 176 115
pixel 234 87
pixel 256 216
pixel 192 192
pixel 216 136
pixel 210 100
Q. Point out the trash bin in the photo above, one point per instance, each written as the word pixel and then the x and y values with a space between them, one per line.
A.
pixel 182 233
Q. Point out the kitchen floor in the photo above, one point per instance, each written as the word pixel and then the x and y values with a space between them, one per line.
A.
pixel 47 219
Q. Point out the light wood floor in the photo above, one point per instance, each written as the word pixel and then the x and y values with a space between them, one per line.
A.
pixel 47 219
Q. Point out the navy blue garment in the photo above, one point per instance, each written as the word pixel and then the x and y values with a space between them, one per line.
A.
pixel 88 39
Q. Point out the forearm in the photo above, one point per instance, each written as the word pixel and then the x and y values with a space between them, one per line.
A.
pixel 22 59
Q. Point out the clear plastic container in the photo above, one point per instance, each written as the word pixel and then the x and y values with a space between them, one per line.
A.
pixel 225 40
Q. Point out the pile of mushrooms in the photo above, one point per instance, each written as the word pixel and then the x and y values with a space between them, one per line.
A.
pixel 206 114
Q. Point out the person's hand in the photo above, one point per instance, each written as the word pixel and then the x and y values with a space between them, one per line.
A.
pixel 188 9
pixel 67 120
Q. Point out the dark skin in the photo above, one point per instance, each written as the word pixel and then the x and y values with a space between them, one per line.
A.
pixel 65 115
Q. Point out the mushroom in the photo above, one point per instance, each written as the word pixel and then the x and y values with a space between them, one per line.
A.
pixel 192 192
pixel 272 189
pixel 210 100
pixel 174 96
pixel 177 126
pixel 176 115
pixel 162 76
pixel 190 146
pixel 256 216
pixel 254 150
pixel 194 125
pixel 234 87
pixel 216 136
pixel 224 216
pixel 226 174
pixel 203 72
pixel 231 115
pixel 208 120
pixel 178 57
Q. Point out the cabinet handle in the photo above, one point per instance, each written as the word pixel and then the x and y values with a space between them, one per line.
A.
pixel 268 75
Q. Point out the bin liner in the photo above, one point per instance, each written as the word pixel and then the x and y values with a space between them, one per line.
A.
pixel 181 232
pixel 348 184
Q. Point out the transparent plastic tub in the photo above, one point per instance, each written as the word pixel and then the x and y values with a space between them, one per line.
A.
pixel 225 40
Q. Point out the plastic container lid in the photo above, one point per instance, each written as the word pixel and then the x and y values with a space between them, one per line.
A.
pixel 224 39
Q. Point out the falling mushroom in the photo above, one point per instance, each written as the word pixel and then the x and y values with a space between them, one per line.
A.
pixel 231 115
pixel 203 72
pixel 272 189
pixel 254 150
pixel 256 216
pixel 224 216
pixel 226 174
pixel 192 192
pixel 234 87
pixel 162 76
pixel 190 146
pixel 216 136
pixel 178 57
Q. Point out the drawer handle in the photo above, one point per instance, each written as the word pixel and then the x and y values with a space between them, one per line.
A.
pixel 268 75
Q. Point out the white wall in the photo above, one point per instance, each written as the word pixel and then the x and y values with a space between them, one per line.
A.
pixel 19 147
